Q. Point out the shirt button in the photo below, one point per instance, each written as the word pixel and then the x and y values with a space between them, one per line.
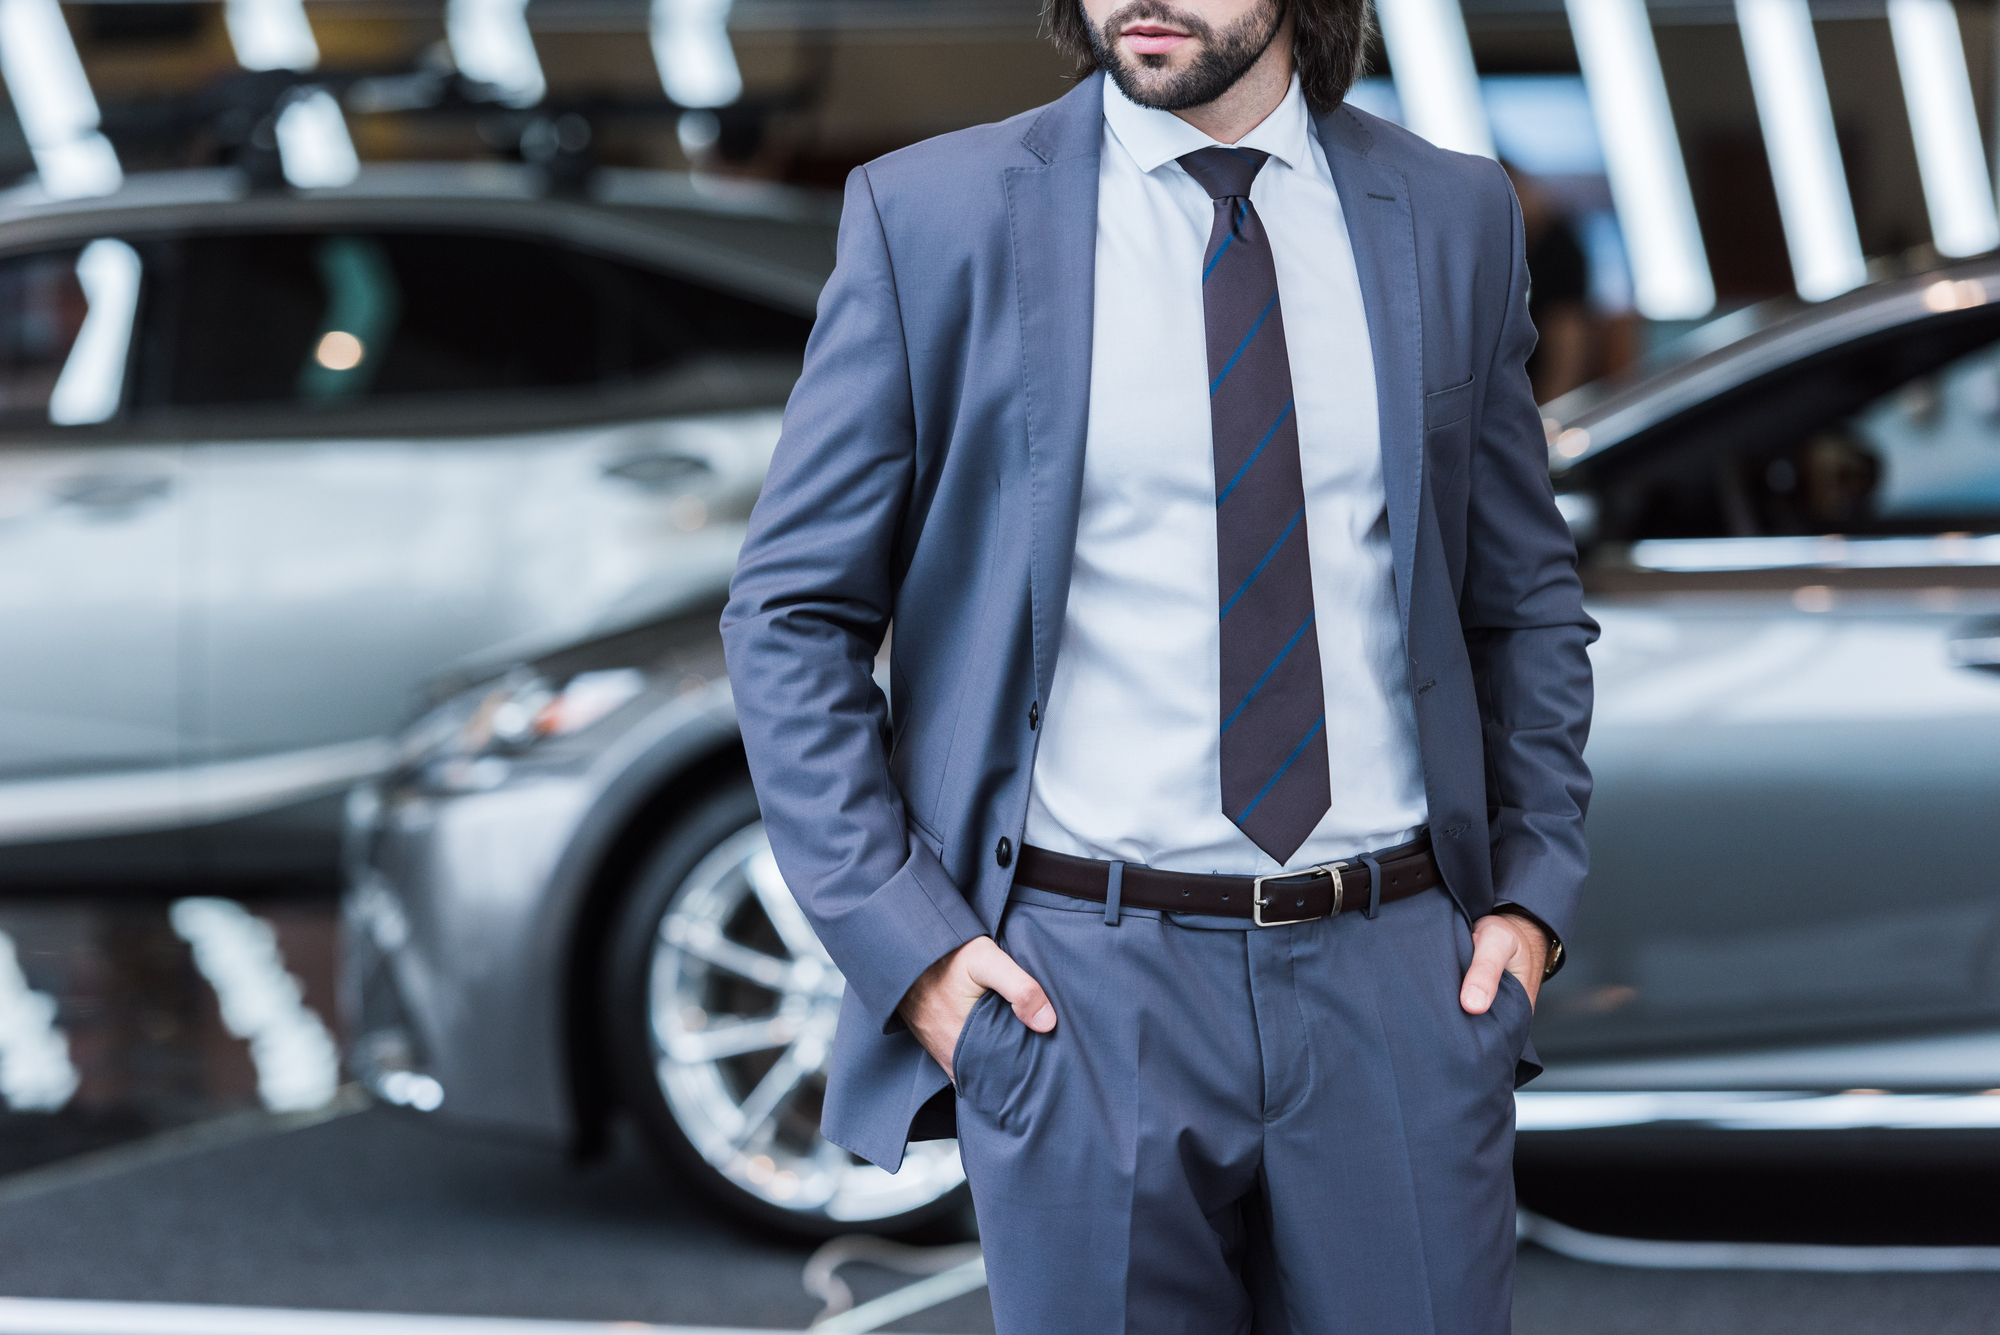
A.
pixel 1004 854
pixel 1034 716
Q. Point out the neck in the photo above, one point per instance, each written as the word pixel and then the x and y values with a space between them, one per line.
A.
pixel 1251 98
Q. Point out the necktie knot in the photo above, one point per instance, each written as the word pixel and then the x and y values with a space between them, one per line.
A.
pixel 1226 173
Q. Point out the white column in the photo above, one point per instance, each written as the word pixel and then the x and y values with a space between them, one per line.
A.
pixel 1792 105
pixel 53 99
pixel 1431 59
pixel 1930 55
pixel 1642 157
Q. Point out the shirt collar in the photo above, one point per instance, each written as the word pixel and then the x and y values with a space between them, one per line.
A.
pixel 1155 137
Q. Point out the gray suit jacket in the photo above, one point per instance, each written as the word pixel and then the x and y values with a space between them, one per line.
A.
pixel 929 474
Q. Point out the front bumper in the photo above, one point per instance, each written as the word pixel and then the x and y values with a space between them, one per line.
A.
pixel 452 979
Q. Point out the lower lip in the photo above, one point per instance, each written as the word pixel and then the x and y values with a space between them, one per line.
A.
pixel 1154 44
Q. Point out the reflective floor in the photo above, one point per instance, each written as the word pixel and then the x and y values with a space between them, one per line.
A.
pixel 160 1172
pixel 136 1040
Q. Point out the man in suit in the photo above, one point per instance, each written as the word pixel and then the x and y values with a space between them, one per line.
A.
pixel 1224 811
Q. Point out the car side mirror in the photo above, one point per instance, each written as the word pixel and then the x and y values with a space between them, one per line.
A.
pixel 1579 510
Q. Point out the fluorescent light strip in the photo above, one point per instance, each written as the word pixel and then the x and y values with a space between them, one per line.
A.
pixel 1930 55
pixel 1790 88
pixel 93 375
pixel 271 34
pixel 1431 59
pixel 53 100
pixel 1642 157
pixel 314 148
pixel 490 43
pixel 691 48
pixel 313 145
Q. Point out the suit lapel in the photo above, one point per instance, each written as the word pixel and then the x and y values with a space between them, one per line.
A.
pixel 1052 208
pixel 1376 201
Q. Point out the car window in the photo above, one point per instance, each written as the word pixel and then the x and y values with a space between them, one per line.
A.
pixel 1929 450
pixel 324 320
pixel 1897 435
pixel 65 333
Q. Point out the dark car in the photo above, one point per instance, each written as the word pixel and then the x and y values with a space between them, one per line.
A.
pixel 1794 917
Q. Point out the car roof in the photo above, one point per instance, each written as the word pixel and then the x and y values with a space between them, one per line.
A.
pixel 1745 344
pixel 770 240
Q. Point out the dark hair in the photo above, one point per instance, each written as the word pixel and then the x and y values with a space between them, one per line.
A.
pixel 1329 43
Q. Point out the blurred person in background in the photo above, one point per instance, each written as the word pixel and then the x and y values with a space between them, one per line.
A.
pixel 1558 292
pixel 1229 809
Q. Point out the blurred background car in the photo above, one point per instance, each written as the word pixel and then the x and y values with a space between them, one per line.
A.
pixel 269 462
pixel 1797 752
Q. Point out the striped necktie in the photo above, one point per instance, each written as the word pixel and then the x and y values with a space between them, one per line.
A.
pixel 1275 783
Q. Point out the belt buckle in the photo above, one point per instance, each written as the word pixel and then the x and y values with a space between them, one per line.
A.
pixel 1257 900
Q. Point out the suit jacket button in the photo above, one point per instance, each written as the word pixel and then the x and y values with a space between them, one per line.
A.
pixel 1004 854
pixel 1034 716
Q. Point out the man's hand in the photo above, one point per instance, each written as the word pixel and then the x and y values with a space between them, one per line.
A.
pixel 938 1003
pixel 1503 942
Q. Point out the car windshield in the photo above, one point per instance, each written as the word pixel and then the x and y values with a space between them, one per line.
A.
pixel 1894 434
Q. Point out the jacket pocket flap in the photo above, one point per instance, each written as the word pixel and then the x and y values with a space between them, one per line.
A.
pixel 1448 406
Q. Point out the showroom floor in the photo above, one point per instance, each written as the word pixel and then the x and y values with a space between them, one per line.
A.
pixel 164 1184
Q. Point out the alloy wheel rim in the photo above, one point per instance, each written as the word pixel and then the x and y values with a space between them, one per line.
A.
pixel 742 1001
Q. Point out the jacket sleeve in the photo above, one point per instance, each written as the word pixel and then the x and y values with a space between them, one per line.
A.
pixel 809 606
pixel 1525 629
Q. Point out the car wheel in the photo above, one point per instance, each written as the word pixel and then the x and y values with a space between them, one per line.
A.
pixel 722 1006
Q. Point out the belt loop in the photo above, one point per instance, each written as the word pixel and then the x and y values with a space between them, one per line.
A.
pixel 1114 889
pixel 1374 886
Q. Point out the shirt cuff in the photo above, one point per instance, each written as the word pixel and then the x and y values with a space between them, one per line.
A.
pixel 1557 955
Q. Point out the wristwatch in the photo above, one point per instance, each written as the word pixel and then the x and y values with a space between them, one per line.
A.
pixel 1555 960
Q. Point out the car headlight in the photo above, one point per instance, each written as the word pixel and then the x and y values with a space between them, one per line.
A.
pixel 507 717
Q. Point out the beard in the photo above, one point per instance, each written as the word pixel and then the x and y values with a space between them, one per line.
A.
pixel 1221 58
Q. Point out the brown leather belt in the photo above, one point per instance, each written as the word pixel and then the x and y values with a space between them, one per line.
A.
pixel 1268 901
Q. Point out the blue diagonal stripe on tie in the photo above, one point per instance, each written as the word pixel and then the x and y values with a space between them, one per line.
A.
pixel 1262 316
pixel 1220 251
pixel 1287 412
pixel 1272 782
pixel 1258 685
pixel 1241 588
pixel 1235 230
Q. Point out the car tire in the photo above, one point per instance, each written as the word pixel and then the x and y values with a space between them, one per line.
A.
pixel 717 998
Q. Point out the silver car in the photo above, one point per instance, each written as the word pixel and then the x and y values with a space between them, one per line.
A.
pixel 268 461
pixel 1794 922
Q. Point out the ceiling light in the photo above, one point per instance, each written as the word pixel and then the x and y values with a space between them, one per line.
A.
pixel 1431 59
pixel 490 44
pixel 1958 192
pixel 1642 158
pixel 53 100
pixel 691 47
pixel 313 145
pixel 1792 106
